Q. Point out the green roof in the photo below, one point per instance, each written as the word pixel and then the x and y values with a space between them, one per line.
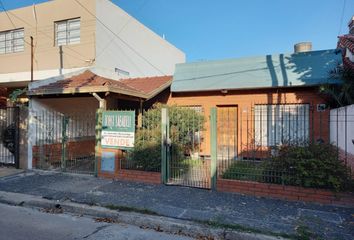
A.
pixel 270 71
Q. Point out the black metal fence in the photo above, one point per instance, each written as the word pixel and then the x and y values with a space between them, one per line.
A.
pixel 64 142
pixel 9 130
pixel 282 144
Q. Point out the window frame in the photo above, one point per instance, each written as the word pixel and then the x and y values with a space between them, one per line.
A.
pixel 13 46
pixel 282 124
pixel 67 31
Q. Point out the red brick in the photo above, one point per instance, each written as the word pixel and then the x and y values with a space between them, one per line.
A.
pixel 325 193
pixel 276 187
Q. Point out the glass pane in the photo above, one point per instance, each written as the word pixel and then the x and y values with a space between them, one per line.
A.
pixel 18 42
pixel 2 50
pixel 8 35
pixel 2 37
pixel 61 26
pixel 19 48
pixel 74 40
pixel 61 41
pixel 74 24
pixel 61 35
pixel 18 33
pixel 8 48
pixel 74 33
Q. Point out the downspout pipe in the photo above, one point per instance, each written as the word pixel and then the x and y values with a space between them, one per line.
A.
pixel 102 101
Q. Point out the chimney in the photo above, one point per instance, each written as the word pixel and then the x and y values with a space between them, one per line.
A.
pixel 351 26
pixel 302 47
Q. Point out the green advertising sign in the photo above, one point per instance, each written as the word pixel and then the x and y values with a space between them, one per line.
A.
pixel 118 129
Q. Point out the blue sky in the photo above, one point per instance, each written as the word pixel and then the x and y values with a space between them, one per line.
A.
pixel 218 29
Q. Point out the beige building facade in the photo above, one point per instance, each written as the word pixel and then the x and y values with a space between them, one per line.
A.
pixel 69 35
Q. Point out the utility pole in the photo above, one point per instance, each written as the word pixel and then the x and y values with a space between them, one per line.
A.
pixel 32 59
pixel 61 59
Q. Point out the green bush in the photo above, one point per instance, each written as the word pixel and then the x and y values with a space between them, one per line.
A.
pixel 312 165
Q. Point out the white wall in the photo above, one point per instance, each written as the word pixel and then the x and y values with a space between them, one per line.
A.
pixel 342 131
pixel 52 109
pixel 157 56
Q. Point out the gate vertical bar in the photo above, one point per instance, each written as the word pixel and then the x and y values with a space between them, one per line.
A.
pixel 213 147
pixel 17 136
pixel 63 142
pixel 164 147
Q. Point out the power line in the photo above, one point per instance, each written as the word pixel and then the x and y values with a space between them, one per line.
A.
pixel 342 17
pixel 119 38
pixel 2 6
pixel 126 24
pixel 13 24
pixel 48 36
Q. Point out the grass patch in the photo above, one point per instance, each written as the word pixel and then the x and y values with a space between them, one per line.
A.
pixel 131 209
pixel 304 233
pixel 240 228
pixel 243 170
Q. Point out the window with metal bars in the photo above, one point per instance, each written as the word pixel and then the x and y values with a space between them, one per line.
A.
pixel 67 32
pixel 278 124
pixel 12 41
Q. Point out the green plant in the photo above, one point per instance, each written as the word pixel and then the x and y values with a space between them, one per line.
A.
pixel 17 93
pixel 340 95
pixel 312 165
pixel 184 124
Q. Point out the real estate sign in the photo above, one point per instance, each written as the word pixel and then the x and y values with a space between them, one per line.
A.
pixel 118 129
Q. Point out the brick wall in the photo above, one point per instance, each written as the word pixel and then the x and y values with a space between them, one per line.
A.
pixel 134 176
pixel 53 152
pixel 290 193
pixel 245 100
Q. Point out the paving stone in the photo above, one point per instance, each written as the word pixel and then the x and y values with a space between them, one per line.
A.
pixel 190 203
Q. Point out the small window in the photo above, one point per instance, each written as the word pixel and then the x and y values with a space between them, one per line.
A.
pixel 67 32
pixel 12 41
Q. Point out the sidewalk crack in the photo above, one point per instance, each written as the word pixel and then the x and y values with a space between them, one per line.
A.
pixel 96 231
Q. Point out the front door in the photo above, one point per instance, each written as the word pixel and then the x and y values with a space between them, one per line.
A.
pixel 226 137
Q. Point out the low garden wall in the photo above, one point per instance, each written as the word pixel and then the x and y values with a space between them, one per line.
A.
pixel 53 152
pixel 134 176
pixel 290 193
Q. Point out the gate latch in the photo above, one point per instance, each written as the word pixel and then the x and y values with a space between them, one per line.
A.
pixel 168 142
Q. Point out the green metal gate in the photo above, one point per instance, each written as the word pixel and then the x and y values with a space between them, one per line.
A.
pixel 184 148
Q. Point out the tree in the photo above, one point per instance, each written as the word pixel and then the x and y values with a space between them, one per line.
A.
pixel 341 94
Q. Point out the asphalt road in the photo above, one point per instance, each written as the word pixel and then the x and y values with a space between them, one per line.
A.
pixel 17 223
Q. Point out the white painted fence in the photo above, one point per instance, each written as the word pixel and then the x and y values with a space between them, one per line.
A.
pixel 342 132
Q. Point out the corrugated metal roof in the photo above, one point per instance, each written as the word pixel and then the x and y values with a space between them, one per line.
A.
pixel 270 71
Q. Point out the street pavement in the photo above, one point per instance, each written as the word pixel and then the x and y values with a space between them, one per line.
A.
pixel 19 223
pixel 268 215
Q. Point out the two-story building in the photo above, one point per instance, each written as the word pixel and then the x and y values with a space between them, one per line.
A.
pixel 346 44
pixel 69 35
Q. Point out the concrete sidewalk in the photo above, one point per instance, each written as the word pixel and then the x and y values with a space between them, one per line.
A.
pixel 221 209
pixel 9 171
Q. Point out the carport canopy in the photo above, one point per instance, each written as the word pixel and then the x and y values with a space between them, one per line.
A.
pixel 89 82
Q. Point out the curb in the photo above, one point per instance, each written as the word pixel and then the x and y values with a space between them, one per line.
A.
pixel 165 224
pixel 12 175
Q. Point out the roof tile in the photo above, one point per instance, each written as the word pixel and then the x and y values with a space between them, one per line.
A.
pixel 145 85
